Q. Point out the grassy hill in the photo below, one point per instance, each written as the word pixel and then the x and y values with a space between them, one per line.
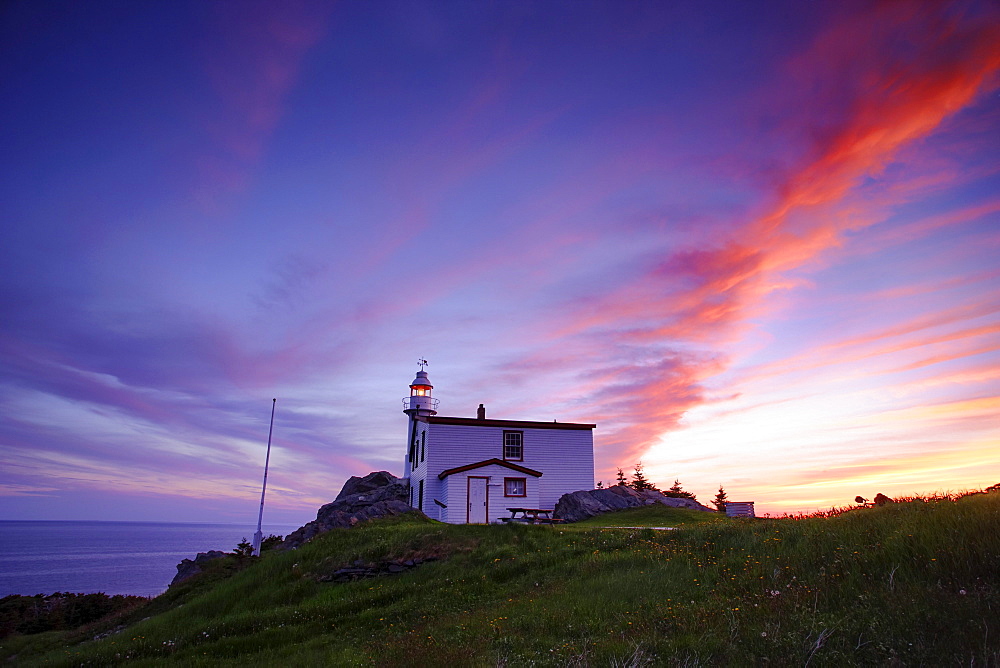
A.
pixel 903 584
pixel 656 515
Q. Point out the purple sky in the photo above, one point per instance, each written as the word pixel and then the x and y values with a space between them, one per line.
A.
pixel 757 243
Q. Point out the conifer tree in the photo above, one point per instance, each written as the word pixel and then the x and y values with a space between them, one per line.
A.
pixel 621 477
pixel 678 492
pixel 720 500
pixel 243 548
pixel 639 481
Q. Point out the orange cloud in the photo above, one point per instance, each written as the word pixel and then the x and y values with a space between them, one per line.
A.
pixel 898 474
pixel 890 99
pixel 948 411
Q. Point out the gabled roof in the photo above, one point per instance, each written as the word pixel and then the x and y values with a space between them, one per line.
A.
pixel 490 462
pixel 514 424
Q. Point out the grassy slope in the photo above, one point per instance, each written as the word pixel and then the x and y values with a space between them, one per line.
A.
pixel 656 515
pixel 915 583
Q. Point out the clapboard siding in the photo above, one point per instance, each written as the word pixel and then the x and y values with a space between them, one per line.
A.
pixel 419 472
pixel 565 457
pixel 455 487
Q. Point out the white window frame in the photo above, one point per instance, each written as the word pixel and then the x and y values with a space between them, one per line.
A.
pixel 508 438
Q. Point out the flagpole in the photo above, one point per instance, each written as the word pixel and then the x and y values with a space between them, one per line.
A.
pixel 259 536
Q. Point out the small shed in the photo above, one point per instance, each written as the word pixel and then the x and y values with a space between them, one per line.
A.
pixel 739 509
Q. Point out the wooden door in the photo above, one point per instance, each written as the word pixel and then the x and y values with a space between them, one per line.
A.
pixel 479 500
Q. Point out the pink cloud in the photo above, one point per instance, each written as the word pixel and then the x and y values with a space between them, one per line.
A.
pixel 888 99
pixel 251 59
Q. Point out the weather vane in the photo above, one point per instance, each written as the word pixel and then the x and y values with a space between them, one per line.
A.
pixel 422 363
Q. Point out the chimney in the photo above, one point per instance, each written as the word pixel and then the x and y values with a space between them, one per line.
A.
pixel 481 412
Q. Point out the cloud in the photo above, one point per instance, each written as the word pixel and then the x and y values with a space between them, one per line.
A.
pixel 874 83
pixel 581 262
pixel 251 57
pixel 14 489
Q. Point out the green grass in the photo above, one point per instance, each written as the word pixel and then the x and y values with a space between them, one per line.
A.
pixel 656 515
pixel 904 584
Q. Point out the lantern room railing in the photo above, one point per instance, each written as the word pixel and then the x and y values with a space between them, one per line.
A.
pixel 420 402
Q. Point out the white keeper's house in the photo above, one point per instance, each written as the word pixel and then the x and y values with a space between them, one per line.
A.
pixel 471 470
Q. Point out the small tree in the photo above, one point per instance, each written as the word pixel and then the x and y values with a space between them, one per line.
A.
pixel 639 481
pixel 622 480
pixel 720 500
pixel 678 492
pixel 243 548
pixel 600 484
pixel 271 542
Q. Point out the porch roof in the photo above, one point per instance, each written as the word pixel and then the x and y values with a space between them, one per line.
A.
pixel 490 462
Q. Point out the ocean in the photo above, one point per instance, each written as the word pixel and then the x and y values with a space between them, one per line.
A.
pixel 112 557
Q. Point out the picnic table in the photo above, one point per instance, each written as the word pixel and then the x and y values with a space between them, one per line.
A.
pixel 530 516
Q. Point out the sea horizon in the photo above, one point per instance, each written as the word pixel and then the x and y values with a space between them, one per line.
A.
pixel 129 557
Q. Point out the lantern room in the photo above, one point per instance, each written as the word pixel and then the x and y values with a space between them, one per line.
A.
pixel 421 386
pixel 420 399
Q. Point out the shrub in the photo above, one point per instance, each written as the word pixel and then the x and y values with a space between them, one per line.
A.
pixel 243 548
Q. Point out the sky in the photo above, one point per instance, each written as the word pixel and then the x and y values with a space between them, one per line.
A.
pixel 758 244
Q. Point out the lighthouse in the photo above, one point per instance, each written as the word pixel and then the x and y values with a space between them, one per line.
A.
pixel 420 403
pixel 474 470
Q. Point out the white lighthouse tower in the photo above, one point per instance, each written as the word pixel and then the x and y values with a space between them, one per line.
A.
pixel 419 403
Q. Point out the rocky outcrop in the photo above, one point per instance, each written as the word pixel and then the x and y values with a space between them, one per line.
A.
pixel 188 568
pixel 377 486
pixel 360 571
pixel 580 505
pixel 378 494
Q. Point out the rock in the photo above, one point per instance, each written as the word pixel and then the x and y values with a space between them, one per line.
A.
pixel 690 504
pixel 99 636
pixel 188 568
pixel 378 494
pixel 580 505
pixel 355 485
pixel 359 571
pixel 359 493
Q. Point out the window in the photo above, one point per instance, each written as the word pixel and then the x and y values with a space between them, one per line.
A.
pixel 515 486
pixel 420 497
pixel 513 447
pixel 423 445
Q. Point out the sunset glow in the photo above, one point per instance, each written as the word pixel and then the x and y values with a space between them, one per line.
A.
pixel 757 243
